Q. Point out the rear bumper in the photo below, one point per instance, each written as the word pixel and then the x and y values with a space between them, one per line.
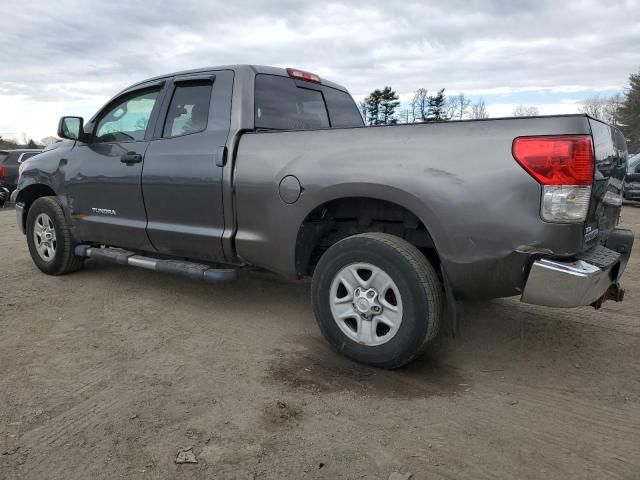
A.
pixel 583 281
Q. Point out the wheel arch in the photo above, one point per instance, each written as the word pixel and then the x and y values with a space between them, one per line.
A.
pixel 30 194
pixel 341 216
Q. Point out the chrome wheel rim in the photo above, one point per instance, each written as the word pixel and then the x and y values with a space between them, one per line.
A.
pixel 44 237
pixel 366 304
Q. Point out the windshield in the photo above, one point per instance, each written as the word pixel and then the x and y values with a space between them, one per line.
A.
pixel 3 156
pixel 632 163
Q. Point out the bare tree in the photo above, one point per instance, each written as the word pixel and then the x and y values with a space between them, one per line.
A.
pixel 525 111
pixel 602 108
pixel 458 106
pixel 420 105
pixel 479 110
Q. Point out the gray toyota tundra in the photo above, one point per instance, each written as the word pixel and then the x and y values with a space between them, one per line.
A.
pixel 204 172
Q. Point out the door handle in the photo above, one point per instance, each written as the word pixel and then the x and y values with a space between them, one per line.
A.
pixel 131 157
pixel 221 156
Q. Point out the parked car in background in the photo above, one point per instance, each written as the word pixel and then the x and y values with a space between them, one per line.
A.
pixel 632 180
pixel 4 196
pixel 10 161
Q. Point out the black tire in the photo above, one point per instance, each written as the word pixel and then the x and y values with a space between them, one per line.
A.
pixel 64 260
pixel 416 280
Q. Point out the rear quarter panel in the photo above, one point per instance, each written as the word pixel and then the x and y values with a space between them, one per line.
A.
pixel 480 207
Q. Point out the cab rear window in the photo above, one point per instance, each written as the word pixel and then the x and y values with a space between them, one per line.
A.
pixel 282 103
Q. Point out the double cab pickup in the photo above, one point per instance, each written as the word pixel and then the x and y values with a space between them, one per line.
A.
pixel 205 172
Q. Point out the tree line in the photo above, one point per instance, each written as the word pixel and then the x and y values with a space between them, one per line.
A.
pixel 621 110
pixel 6 144
pixel 380 107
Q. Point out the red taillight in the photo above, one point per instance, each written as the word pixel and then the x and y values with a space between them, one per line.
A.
pixel 556 160
pixel 302 75
pixel 2 172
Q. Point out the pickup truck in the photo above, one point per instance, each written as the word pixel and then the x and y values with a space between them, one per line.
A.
pixel 205 172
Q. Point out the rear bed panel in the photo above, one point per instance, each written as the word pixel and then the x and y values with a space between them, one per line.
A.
pixel 481 208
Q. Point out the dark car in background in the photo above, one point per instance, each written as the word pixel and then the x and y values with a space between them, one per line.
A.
pixel 632 180
pixel 10 161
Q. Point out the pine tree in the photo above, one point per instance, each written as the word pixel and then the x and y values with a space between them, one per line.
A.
pixel 628 114
pixel 380 106
pixel 388 104
pixel 437 107
pixel 371 106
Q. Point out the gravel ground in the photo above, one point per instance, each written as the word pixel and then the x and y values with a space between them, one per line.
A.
pixel 109 372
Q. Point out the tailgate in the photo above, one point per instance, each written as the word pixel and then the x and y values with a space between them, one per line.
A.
pixel 606 195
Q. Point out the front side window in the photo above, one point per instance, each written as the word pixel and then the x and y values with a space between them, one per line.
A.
pixel 128 119
pixel 282 105
pixel 189 109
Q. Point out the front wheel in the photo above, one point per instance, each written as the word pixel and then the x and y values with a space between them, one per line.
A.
pixel 49 238
pixel 377 299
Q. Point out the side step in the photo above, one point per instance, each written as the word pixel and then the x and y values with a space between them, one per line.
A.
pixel 195 271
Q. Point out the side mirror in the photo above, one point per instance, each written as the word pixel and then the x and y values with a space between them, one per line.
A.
pixel 71 128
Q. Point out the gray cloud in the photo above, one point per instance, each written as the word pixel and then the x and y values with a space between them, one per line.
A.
pixel 83 51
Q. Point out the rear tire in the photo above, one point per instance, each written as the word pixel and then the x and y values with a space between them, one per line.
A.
pixel 377 299
pixel 50 242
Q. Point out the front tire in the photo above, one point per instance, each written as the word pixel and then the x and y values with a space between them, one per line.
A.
pixel 50 242
pixel 377 299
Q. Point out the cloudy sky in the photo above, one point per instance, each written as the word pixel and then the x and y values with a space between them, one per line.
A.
pixel 68 57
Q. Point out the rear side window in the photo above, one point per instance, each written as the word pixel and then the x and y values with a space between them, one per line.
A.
pixel 281 105
pixel 342 109
pixel 189 109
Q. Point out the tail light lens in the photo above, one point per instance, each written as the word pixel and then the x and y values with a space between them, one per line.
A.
pixel 2 172
pixel 564 166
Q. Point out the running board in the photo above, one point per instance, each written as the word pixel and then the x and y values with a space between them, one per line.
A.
pixel 195 271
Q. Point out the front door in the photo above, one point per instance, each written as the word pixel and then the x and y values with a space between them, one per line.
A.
pixel 182 179
pixel 104 175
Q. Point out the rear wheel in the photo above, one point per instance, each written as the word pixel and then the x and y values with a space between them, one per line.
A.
pixel 377 299
pixel 49 238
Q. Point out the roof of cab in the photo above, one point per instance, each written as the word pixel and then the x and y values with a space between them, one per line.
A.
pixel 236 68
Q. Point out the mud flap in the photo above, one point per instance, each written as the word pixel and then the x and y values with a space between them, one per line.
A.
pixel 453 307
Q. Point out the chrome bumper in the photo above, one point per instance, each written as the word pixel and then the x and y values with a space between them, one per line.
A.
pixel 588 280
pixel 566 284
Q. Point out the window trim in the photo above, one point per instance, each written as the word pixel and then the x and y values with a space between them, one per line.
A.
pixel 179 82
pixel 153 117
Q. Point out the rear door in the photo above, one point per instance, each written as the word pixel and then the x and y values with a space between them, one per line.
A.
pixel 182 177
pixel 104 175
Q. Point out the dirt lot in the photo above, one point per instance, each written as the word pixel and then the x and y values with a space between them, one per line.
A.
pixel 108 372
